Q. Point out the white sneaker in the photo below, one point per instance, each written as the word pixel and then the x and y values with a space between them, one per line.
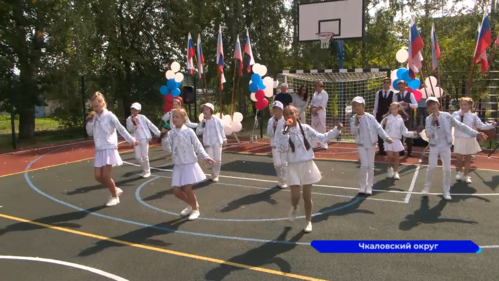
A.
pixel 292 213
pixel 459 176
pixel 308 228
pixel 369 190
pixel 284 186
pixel 119 191
pixel 447 196
pixel 425 192
pixel 113 201
pixel 467 179
pixel 214 179
pixel 187 211
pixel 396 176
pixel 362 190
pixel 194 215
pixel 390 172
pixel 146 175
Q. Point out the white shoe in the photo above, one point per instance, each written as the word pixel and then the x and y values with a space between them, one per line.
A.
pixel 390 172
pixel 308 228
pixel 194 215
pixel 425 192
pixel 187 211
pixel 284 186
pixel 146 175
pixel 369 190
pixel 214 179
pixel 467 179
pixel 292 213
pixel 362 190
pixel 447 196
pixel 396 176
pixel 119 192
pixel 459 176
pixel 113 201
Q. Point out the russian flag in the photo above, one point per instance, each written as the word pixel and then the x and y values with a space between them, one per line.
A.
pixel 435 48
pixel 238 56
pixel 220 57
pixel 415 46
pixel 247 50
pixel 200 56
pixel 483 56
pixel 483 41
pixel 190 54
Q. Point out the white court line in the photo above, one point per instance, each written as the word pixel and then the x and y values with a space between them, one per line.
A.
pixel 489 247
pixel 75 265
pixel 414 178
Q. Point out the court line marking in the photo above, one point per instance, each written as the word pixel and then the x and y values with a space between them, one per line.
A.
pixel 69 264
pixel 414 179
pixel 156 249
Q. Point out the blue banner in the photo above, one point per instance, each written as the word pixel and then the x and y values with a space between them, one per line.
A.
pixel 396 246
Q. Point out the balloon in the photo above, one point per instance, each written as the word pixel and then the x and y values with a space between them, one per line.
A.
pixel 409 89
pixel 262 70
pixel 201 117
pixel 238 117
pixel 430 81
pixel 423 135
pixel 226 120
pixel 236 126
pixel 393 75
pixel 438 92
pixel 415 84
pixel 417 95
pixel 269 92
pixel 178 85
pixel 262 104
pixel 400 72
pixel 406 77
pixel 176 92
pixel 163 90
pixel 217 115
pixel 227 130
pixel 175 66
pixel 168 99
pixel 426 92
pixel 268 81
pixel 256 78
pixel 402 55
pixel 256 67
pixel 179 77
pixel 394 84
pixel 169 74
pixel 252 97
pixel 260 95
pixel 171 84
pixel 253 87
pixel 261 86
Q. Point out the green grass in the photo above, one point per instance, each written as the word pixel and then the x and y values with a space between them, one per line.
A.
pixel 41 124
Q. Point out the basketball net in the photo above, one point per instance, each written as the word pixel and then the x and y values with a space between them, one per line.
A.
pixel 325 38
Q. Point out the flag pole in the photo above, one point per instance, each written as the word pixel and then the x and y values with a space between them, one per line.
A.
pixel 484 82
pixel 470 80
pixel 233 90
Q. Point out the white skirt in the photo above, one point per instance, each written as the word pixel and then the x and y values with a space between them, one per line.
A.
pixel 466 146
pixel 107 157
pixel 187 174
pixel 302 173
pixel 395 146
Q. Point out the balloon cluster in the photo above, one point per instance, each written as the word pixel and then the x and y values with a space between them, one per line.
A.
pixel 231 124
pixel 412 84
pixel 431 88
pixel 261 88
pixel 172 88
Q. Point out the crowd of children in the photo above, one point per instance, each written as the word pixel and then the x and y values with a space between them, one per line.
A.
pixel 292 145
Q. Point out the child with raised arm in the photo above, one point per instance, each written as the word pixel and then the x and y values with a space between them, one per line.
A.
pixel 278 157
pixel 183 144
pixel 214 138
pixel 140 126
pixel 294 139
pixel 439 132
pixel 366 130
pixel 103 126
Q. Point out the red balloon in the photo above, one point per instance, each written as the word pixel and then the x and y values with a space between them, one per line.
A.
pixel 409 89
pixel 167 107
pixel 168 98
pixel 262 104
pixel 260 95
pixel 417 95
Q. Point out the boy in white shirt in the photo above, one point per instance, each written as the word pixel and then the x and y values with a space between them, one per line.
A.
pixel 278 156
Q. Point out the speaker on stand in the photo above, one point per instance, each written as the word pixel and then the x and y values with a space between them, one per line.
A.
pixel 189 97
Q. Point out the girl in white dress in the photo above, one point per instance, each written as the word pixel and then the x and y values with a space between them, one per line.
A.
pixel 394 126
pixel 464 144
pixel 294 140
pixel 300 101
pixel 318 107
pixel 102 125
pixel 183 144
pixel 214 138
pixel 278 157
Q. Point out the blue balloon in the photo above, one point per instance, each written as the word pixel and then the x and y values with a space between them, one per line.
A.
pixel 261 86
pixel 400 72
pixel 176 92
pixel 256 78
pixel 395 84
pixel 163 90
pixel 407 78
pixel 414 84
pixel 178 84
pixel 253 87
pixel 171 84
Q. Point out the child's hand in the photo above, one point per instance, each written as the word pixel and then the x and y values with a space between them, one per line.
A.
pixel 415 134
pixel 482 137
pixel 340 126
pixel 164 131
pixel 135 143
pixel 384 121
pixel 389 140
pixel 90 117
pixel 494 123
pixel 209 160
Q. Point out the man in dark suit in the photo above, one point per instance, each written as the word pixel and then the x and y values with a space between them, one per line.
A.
pixel 381 106
pixel 409 104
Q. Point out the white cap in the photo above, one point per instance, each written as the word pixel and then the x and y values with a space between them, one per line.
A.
pixel 210 106
pixel 278 104
pixel 136 105
pixel 359 100
pixel 432 99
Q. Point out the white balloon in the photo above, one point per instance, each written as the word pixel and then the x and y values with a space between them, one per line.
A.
pixel 238 117
pixel 179 77
pixel 170 74
pixel 433 81
pixel 175 66
pixel 269 92
pixel 227 130
pixel 423 135
pixel 402 55
pixel 262 70
pixel 252 97
pixel 236 126
pixel 268 82
pixel 438 92
pixel 226 119
pixel 201 117
pixel 217 115
pixel 394 75
pixel 426 92
pixel 256 67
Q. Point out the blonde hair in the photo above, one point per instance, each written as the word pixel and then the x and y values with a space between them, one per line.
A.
pixel 182 112
pixel 469 100
pixel 402 113
pixel 97 96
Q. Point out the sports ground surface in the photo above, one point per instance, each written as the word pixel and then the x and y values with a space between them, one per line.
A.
pixel 53 209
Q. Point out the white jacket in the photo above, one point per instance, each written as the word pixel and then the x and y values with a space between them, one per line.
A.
pixel 271 132
pixel 145 124
pixel 103 128
pixel 471 120
pixel 207 133
pixel 395 127
pixel 447 122
pixel 374 128
pixel 168 118
pixel 183 144
pixel 301 154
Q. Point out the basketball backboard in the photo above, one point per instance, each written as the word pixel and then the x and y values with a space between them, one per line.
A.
pixel 345 18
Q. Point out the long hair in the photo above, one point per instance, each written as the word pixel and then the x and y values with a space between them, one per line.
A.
pixel 402 113
pixel 305 96
pixel 287 111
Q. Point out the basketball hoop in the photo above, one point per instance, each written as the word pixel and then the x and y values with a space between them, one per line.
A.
pixel 325 38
